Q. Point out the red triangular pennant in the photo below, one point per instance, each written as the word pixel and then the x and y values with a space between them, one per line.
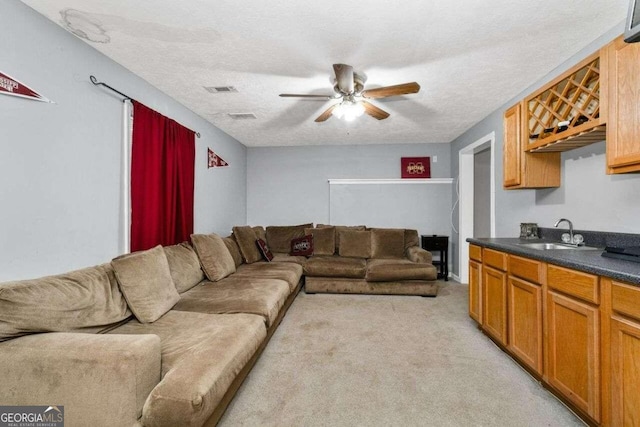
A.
pixel 11 86
pixel 214 160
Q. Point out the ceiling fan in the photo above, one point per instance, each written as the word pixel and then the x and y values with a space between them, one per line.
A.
pixel 349 89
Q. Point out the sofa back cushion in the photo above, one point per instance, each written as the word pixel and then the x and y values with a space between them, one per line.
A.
pixel 215 258
pixel 411 238
pixel 324 240
pixel 234 249
pixel 247 238
pixel 356 244
pixel 340 228
pixel 145 280
pixel 279 237
pixel 184 265
pixel 387 242
pixel 79 299
pixel 261 233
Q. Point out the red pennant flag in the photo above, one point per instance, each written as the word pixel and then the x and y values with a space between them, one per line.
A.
pixel 215 160
pixel 11 86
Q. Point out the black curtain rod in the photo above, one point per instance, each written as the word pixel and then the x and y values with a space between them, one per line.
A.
pixel 95 81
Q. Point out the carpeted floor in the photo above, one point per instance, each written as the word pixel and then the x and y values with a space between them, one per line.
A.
pixel 365 360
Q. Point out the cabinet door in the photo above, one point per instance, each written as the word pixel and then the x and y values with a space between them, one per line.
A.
pixel 572 363
pixel 512 149
pixel 525 322
pixel 475 291
pixel 494 303
pixel 623 106
pixel 625 372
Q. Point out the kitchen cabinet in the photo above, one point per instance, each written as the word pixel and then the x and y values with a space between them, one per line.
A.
pixel 572 344
pixel 624 355
pixel 475 283
pixel 621 69
pixel 524 311
pixel 494 295
pixel 523 169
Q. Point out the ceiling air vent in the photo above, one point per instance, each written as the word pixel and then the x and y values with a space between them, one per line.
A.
pixel 220 89
pixel 242 116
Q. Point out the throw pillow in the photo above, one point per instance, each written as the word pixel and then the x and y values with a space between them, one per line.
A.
pixel 145 280
pixel 215 258
pixel 234 249
pixel 264 249
pixel 246 238
pixel 356 244
pixel 302 246
pixel 387 243
pixel 324 240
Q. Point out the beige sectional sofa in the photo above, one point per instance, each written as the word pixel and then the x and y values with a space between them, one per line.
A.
pixel 165 337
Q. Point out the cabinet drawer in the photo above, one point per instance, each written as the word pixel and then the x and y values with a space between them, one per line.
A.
pixel 495 259
pixel 575 283
pixel 527 269
pixel 475 252
pixel 625 299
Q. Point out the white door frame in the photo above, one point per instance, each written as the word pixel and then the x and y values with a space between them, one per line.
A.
pixel 465 213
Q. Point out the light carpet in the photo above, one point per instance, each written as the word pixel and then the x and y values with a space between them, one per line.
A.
pixel 367 360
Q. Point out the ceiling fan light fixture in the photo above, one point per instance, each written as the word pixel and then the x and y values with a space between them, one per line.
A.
pixel 349 110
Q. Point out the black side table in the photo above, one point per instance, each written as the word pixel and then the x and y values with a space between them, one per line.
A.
pixel 435 243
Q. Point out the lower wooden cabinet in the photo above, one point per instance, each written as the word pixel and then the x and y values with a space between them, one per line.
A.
pixel 625 355
pixel 524 312
pixel 475 291
pixel 494 303
pixel 572 363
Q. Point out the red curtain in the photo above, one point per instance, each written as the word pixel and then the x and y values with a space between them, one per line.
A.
pixel 162 177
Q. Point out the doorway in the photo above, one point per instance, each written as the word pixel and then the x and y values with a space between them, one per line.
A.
pixel 467 161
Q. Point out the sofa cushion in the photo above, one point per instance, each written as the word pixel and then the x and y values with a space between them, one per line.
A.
pixel 340 228
pixel 201 356
pixel 264 297
pixel 288 271
pixel 267 255
pixel 302 246
pixel 279 237
pixel 261 233
pixel 234 250
pixel 387 242
pixel 246 238
pixel 384 270
pixel 83 298
pixel 335 266
pixel 184 265
pixel 324 240
pixel 215 258
pixel 145 280
pixel 411 238
pixel 356 244
pixel 285 257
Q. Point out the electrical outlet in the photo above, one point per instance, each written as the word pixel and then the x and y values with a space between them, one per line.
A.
pixel 435 159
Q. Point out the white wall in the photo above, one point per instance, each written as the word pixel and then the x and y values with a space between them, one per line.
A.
pixel 587 196
pixel 60 163
pixel 288 185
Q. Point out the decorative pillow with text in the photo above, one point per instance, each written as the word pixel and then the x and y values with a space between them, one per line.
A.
pixel 302 246
pixel 264 250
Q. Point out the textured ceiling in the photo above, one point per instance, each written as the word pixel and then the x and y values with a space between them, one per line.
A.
pixel 468 56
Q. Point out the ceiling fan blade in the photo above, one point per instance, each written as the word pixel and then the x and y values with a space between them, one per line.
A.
pixel 374 111
pixel 295 95
pixel 383 92
pixel 327 113
pixel 344 77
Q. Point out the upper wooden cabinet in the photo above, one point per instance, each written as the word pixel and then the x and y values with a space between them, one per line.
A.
pixel 522 169
pixel 621 71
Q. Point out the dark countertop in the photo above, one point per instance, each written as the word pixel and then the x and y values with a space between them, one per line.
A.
pixel 590 261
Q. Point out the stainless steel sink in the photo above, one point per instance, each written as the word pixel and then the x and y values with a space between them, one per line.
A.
pixel 552 246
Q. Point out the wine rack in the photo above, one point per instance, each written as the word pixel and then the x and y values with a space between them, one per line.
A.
pixel 565 114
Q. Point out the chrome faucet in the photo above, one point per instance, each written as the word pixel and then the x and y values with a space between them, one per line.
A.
pixel 574 240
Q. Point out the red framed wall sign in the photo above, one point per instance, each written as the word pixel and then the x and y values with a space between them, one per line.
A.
pixel 415 167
